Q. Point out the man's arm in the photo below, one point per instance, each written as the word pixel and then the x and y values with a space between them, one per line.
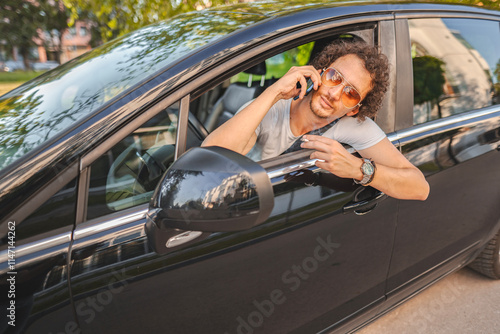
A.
pixel 395 175
pixel 238 133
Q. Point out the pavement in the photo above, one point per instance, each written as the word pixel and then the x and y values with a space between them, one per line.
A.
pixel 463 302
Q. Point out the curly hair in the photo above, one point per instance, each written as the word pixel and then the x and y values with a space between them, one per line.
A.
pixel 375 63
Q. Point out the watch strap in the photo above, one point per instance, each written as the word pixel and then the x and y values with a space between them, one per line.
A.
pixel 367 179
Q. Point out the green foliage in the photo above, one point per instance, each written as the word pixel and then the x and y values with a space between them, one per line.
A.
pixel 18 76
pixel 428 79
pixel 278 65
pixel 20 21
pixel 497 81
pixel 113 18
pixel 57 22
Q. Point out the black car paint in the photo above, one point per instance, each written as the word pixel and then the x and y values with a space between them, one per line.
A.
pixel 118 283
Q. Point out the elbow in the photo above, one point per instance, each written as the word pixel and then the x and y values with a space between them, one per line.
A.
pixel 417 190
pixel 422 187
pixel 210 141
pixel 423 194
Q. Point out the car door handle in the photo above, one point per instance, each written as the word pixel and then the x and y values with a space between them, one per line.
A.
pixel 365 199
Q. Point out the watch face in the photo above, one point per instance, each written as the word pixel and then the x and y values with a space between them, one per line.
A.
pixel 367 168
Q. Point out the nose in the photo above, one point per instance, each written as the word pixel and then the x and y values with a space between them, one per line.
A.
pixel 335 92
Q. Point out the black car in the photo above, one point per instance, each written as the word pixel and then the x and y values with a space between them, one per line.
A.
pixel 114 219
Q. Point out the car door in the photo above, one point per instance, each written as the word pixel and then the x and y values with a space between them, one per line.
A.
pixel 320 257
pixel 451 134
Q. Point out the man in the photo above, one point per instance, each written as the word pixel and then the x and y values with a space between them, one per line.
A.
pixel 349 81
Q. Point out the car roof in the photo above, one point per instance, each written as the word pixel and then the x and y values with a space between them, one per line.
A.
pixel 273 8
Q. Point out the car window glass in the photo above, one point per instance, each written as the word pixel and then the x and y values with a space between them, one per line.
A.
pixel 127 174
pixel 56 213
pixel 456 66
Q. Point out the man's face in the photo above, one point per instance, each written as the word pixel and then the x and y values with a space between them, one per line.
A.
pixel 326 101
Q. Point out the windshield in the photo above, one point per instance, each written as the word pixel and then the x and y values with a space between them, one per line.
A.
pixel 41 108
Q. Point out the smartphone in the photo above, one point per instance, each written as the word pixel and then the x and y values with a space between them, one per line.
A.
pixel 310 86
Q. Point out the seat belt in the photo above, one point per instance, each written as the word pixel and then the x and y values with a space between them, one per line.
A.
pixel 318 132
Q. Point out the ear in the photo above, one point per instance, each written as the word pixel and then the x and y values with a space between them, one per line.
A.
pixel 353 112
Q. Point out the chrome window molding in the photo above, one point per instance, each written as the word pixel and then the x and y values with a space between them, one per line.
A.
pixel 59 241
pixel 102 225
pixel 38 199
pixel 448 123
pixel 36 248
pixel 278 167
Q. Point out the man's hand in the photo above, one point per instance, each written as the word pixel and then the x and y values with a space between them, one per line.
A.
pixel 333 157
pixel 286 87
pixel 395 175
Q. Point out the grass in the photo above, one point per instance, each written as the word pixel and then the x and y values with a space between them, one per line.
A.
pixel 18 76
pixel 11 80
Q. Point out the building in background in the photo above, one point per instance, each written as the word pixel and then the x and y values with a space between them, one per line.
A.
pixel 75 41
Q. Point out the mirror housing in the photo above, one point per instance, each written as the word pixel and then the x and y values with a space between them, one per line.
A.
pixel 212 189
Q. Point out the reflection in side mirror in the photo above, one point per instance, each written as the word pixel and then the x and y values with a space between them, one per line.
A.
pixel 212 189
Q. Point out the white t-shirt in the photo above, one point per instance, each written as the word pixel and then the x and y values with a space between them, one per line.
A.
pixel 274 135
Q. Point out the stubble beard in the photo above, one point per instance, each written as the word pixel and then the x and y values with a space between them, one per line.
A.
pixel 319 112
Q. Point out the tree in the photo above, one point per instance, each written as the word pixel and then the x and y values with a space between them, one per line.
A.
pixel 56 23
pixel 428 80
pixel 19 23
pixel 114 18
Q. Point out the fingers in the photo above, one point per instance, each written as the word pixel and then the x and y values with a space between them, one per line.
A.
pixel 302 74
pixel 303 87
pixel 321 139
pixel 317 82
pixel 320 143
pixel 315 145
pixel 321 156
pixel 332 156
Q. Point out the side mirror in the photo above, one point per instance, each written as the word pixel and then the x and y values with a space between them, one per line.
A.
pixel 211 189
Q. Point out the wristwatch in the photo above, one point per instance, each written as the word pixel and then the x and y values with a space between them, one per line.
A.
pixel 368 170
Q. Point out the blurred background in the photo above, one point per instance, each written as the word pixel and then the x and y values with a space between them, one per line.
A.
pixel 38 35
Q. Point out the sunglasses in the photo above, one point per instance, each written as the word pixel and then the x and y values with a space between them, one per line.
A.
pixel 350 97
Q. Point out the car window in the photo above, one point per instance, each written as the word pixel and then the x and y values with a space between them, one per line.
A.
pixel 56 214
pixel 127 174
pixel 456 66
pixel 219 104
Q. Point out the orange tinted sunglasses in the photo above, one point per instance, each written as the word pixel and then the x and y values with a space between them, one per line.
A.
pixel 350 97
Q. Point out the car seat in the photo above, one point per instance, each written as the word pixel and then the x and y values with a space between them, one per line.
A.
pixel 235 96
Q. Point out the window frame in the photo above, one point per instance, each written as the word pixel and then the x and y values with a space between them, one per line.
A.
pixel 404 105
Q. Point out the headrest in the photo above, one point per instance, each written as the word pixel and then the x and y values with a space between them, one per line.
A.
pixel 259 69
